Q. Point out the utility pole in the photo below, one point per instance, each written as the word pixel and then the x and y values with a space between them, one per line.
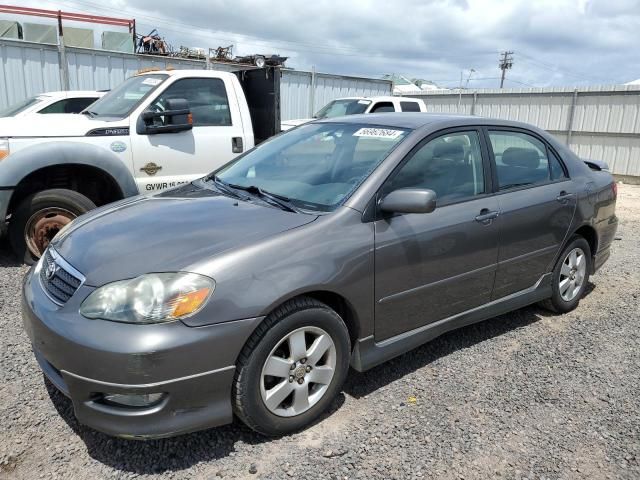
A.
pixel 506 62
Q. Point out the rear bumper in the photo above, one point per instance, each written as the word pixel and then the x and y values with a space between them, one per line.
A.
pixel 606 234
pixel 85 359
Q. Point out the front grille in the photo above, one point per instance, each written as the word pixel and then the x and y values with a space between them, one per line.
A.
pixel 57 279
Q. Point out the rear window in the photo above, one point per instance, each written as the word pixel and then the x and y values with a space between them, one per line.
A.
pixel 410 106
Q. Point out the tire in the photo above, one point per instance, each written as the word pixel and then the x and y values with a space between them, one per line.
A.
pixel 54 207
pixel 566 298
pixel 271 340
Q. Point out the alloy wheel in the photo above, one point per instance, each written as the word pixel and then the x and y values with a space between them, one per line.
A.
pixel 572 274
pixel 298 371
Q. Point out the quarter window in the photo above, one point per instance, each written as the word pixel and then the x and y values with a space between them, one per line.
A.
pixel 522 159
pixel 207 98
pixel 409 106
pixel 450 165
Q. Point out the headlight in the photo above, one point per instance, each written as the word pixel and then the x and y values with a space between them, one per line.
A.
pixel 4 148
pixel 151 298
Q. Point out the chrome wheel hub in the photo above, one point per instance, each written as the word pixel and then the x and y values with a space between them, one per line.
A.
pixel 572 274
pixel 298 371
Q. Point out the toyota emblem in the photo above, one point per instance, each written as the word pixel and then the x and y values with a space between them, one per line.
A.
pixel 51 270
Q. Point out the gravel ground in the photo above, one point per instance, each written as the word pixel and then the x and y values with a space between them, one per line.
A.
pixel 524 395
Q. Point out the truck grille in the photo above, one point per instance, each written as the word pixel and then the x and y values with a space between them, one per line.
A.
pixel 59 280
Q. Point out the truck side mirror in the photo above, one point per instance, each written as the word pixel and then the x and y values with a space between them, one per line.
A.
pixel 175 118
pixel 409 200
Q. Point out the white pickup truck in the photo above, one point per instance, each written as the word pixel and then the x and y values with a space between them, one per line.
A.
pixel 154 131
pixel 356 105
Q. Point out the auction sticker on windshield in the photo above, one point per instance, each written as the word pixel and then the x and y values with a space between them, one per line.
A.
pixel 151 81
pixel 378 133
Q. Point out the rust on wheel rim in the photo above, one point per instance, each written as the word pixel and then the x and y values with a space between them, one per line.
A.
pixel 43 226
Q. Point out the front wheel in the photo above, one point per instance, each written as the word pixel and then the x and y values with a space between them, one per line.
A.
pixel 40 216
pixel 291 368
pixel 570 276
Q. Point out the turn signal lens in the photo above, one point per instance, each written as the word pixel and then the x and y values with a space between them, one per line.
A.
pixel 190 302
pixel 4 149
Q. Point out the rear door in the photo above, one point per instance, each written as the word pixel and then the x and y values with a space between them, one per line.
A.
pixel 167 159
pixel 537 202
pixel 435 265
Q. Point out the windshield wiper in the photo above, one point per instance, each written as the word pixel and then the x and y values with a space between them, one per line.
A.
pixel 224 187
pixel 280 200
pixel 90 113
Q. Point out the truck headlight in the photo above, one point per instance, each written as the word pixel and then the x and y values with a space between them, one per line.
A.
pixel 4 148
pixel 150 298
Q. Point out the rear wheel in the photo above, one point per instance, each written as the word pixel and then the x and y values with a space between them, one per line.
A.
pixel 570 276
pixel 40 216
pixel 291 368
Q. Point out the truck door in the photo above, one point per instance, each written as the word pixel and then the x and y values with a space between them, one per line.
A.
pixel 164 160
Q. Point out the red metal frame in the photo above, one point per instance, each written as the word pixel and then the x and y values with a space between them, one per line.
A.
pixel 78 17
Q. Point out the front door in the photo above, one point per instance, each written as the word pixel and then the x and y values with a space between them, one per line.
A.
pixel 537 203
pixel 435 265
pixel 168 159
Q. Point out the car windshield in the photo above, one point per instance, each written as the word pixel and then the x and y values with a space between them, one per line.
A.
pixel 337 108
pixel 121 101
pixel 314 167
pixel 18 107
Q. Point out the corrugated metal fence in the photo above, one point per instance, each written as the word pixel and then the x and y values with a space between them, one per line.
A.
pixel 28 68
pixel 596 122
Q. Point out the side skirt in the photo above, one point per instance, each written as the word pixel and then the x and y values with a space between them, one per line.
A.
pixel 368 353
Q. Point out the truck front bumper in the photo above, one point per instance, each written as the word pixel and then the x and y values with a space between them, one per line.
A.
pixel 5 196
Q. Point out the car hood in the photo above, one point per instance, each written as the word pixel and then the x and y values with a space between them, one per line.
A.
pixel 167 232
pixel 53 125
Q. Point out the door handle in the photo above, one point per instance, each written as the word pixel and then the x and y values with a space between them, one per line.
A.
pixel 486 216
pixel 564 197
pixel 236 145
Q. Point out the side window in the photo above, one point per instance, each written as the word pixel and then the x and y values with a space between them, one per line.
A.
pixel 557 171
pixel 450 165
pixel 409 106
pixel 68 105
pixel 382 107
pixel 521 159
pixel 207 99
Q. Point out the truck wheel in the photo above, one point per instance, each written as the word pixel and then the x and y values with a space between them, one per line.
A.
pixel 291 368
pixel 40 216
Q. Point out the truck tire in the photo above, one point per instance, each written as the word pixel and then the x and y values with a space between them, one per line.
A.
pixel 40 216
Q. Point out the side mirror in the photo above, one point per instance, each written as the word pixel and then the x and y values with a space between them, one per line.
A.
pixel 175 118
pixel 409 200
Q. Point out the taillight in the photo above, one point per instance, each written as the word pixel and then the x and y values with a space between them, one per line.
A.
pixel 614 189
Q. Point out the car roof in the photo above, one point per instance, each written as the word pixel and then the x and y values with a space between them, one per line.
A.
pixel 417 120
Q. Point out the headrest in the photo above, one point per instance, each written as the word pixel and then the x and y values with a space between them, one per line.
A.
pixel 521 157
pixel 453 150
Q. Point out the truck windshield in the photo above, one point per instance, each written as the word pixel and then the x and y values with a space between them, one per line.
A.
pixel 337 108
pixel 123 99
pixel 18 107
pixel 314 167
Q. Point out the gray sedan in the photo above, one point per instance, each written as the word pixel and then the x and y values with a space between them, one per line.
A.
pixel 343 242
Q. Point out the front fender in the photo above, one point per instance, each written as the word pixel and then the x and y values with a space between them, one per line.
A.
pixel 29 159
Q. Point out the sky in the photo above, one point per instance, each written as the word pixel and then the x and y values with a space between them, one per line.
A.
pixel 555 42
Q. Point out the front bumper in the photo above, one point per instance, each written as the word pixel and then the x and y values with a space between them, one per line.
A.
pixel 84 359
